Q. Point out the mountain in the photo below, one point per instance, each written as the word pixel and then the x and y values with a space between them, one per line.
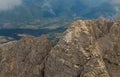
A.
pixel 88 48
pixel 51 14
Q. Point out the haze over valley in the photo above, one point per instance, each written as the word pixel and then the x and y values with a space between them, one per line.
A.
pixel 37 14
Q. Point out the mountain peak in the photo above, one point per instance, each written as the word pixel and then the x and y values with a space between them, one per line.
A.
pixel 87 49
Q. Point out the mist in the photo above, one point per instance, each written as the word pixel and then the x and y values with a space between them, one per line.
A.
pixel 9 4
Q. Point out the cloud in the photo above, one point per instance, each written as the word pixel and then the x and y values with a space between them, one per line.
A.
pixel 115 1
pixel 9 4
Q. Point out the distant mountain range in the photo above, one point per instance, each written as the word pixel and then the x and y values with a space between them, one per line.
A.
pixel 37 14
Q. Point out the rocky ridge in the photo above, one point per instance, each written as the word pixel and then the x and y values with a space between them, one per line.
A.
pixel 86 49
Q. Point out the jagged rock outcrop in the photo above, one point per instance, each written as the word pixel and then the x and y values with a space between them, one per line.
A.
pixel 77 54
pixel 86 49
pixel 24 58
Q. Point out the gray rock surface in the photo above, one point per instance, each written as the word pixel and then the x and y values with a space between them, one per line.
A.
pixel 24 58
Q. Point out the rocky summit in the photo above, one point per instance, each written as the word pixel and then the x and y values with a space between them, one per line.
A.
pixel 87 49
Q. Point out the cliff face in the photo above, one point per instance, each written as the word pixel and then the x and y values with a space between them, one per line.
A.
pixel 86 49
pixel 77 54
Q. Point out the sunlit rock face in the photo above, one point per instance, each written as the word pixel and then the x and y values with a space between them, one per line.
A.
pixel 87 49
pixel 77 54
